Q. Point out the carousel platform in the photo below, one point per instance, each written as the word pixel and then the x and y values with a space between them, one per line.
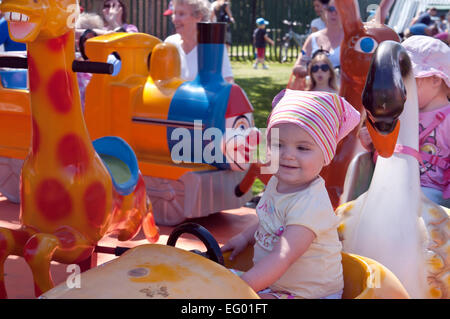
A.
pixel 18 278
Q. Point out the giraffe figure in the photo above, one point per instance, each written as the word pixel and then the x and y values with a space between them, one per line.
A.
pixel 68 199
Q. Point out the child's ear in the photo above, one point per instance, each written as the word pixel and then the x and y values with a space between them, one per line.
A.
pixel 437 81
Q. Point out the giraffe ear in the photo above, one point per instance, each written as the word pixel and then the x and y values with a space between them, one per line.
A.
pixel 349 14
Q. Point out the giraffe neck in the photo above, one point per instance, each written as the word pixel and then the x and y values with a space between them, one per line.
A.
pixel 55 101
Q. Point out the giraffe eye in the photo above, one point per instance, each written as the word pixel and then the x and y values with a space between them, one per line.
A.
pixel 366 45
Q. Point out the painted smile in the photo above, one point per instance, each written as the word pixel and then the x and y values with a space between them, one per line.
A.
pixel 19 25
pixel 16 17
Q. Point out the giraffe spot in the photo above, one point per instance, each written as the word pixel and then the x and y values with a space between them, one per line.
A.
pixel 58 44
pixel 71 151
pixel 95 203
pixel 36 138
pixel 33 73
pixel 53 200
pixel 30 249
pixel 60 91
pixel 20 237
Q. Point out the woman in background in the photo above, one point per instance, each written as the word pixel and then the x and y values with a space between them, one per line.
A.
pixel 186 15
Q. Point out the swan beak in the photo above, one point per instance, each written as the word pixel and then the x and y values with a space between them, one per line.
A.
pixel 384 143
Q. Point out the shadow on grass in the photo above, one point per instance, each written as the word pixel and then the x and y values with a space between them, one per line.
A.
pixel 260 91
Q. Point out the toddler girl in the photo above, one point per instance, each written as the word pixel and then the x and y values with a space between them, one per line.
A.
pixel 297 253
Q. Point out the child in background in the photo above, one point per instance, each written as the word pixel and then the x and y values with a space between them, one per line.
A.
pixel 115 16
pixel 321 74
pixel 297 252
pixel 260 38
pixel 431 66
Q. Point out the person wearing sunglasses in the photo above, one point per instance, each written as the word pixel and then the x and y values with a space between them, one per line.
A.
pixel 328 39
pixel 115 16
pixel 321 75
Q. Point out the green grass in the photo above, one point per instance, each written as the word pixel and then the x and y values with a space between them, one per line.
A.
pixel 261 86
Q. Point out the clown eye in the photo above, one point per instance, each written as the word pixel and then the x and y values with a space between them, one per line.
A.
pixel 241 123
pixel 366 45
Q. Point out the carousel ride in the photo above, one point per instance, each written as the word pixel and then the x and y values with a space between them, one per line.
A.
pixel 407 227
pixel 48 228
pixel 72 195
pixel 192 139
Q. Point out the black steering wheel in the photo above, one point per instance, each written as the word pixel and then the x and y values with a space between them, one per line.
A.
pixel 213 251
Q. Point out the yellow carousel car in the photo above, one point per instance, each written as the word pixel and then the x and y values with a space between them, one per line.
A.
pixel 167 272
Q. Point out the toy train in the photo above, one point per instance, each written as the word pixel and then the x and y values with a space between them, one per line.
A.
pixel 191 138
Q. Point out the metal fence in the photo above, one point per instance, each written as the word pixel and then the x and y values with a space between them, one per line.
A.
pixel 148 16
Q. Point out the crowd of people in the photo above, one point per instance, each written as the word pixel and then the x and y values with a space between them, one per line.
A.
pixel 431 24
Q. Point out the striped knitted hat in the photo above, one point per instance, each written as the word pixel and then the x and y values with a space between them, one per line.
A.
pixel 327 117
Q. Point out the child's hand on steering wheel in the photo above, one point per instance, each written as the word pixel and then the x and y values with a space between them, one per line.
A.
pixel 237 244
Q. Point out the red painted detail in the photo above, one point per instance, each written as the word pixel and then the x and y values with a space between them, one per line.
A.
pixel 60 91
pixel 53 200
pixel 58 44
pixel 238 102
pixel 3 245
pixel 33 73
pixel 118 199
pixel 66 238
pixel 3 294
pixel 151 231
pixel 72 151
pixel 30 249
pixel 36 137
pixel 139 190
pixel 20 237
pixel 37 290
pixel 85 254
pixel 95 203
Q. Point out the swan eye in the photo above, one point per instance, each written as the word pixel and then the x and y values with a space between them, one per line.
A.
pixel 366 45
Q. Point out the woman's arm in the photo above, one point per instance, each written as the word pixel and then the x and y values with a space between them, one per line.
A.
pixel 295 240
pixel 300 67
pixel 228 11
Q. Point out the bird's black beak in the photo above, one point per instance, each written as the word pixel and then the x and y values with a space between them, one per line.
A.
pixel 384 95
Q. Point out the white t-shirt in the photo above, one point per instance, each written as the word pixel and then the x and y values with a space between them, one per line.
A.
pixel 189 65
pixel 318 24
pixel 318 272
